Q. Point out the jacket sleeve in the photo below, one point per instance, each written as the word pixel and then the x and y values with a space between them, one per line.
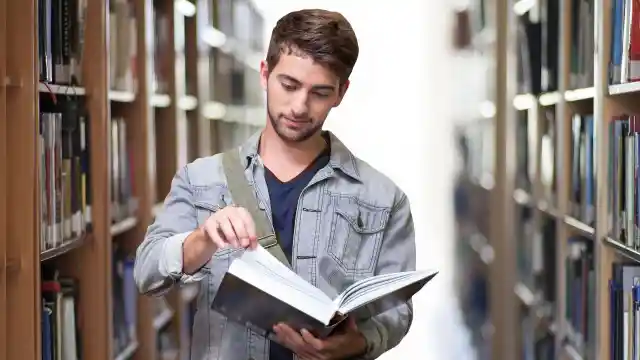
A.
pixel 384 331
pixel 158 263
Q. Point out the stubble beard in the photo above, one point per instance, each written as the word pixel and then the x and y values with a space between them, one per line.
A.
pixel 288 135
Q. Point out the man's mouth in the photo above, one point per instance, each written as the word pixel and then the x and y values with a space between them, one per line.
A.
pixel 299 121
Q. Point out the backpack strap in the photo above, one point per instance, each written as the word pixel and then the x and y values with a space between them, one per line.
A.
pixel 243 195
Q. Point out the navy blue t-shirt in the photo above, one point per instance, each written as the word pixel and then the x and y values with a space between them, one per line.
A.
pixel 284 202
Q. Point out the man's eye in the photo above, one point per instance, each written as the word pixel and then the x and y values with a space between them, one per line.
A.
pixel 288 87
pixel 321 95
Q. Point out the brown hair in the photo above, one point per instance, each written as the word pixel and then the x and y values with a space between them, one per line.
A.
pixel 326 36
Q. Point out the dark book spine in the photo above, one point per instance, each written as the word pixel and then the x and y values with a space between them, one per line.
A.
pixel 66 32
pixel 44 41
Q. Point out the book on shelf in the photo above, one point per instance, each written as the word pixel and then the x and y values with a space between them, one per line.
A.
pixel 123 202
pixel 59 324
pixel 162 52
pixel 124 295
pixel 537 50
pixel 526 135
pixel 536 344
pixel 583 169
pixel 548 156
pixel 256 280
pixel 528 337
pixel 582 44
pixel 624 199
pixel 546 276
pixel 527 241
pixel 123 46
pixel 535 253
pixel 624 64
pixel 550 18
pixel 624 293
pixel 580 293
pixel 478 152
pixel 63 149
pixel 61 35
pixel 528 33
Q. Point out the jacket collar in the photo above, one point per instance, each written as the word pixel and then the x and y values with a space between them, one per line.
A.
pixel 341 157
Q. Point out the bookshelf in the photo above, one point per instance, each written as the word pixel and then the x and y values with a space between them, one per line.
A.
pixel 570 184
pixel 100 103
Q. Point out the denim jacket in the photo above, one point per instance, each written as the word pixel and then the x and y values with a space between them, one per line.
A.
pixel 352 222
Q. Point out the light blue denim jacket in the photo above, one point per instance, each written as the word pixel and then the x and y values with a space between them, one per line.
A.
pixel 352 222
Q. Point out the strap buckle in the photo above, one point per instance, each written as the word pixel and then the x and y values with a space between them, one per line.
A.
pixel 268 241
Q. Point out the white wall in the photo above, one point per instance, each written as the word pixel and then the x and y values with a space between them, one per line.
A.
pixel 397 116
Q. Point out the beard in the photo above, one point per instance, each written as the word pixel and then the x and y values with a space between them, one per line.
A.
pixel 289 134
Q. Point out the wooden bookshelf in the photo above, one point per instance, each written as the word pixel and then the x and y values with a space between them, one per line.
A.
pixel 4 261
pixel 573 194
pixel 137 110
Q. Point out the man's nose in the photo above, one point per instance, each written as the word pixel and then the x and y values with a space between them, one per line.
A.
pixel 300 108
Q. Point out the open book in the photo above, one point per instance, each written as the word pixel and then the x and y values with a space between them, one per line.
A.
pixel 259 291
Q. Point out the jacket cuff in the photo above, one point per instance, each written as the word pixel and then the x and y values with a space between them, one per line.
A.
pixel 171 263
pixel 374 337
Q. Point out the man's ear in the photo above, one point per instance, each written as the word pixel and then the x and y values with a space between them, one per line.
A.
pixel 341 92
pixel 264 74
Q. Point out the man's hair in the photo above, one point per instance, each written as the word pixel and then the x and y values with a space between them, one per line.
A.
pixel 325 36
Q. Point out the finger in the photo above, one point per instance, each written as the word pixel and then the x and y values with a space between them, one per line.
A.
pixel 249 226
pixel 298 344
pixel 313 341
pixel 351 323
pixel 281 337
pixel 291 335
pixel 285 338
pixel 237 223
pixel 285 330
pixel 248 221
pixel 225 227
pixel 211 229
pixel 281 332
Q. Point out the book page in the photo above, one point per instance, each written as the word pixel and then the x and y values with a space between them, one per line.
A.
pixel 316 308
pixel 262 260
pixel 386 290
pixel 366 293
pixel 360 284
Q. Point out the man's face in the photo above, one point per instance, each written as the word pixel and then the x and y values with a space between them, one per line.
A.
pixel 300 94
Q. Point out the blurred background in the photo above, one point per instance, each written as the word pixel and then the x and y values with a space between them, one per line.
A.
pixel 509 123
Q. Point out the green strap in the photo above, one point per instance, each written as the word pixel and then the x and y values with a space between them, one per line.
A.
pixel 243 196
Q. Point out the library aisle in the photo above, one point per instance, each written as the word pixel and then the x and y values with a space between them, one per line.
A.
pixel 547 200
pixel 104 100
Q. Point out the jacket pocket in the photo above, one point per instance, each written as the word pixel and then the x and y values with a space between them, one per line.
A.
pixel 207 200
pixel 356 232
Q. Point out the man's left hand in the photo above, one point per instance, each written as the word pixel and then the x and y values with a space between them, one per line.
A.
pixel 344 344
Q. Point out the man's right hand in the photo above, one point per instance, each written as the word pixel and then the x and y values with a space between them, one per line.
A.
pixel 231 226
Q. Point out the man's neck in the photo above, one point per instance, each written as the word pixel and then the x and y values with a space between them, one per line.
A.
pixel 287 160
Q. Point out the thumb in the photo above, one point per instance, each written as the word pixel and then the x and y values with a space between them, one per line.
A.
pixel 351 323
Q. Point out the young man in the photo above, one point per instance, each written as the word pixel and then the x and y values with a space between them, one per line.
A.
pixel 336 218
